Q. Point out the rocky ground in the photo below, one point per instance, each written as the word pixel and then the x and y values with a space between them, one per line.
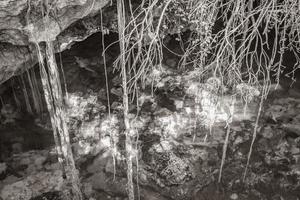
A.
pixel 181 132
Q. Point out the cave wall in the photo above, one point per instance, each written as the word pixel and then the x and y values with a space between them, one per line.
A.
pixel 68 21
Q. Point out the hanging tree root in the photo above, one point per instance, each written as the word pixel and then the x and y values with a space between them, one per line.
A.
pixel 55 104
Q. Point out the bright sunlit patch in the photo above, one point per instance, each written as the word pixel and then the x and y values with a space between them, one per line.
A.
pixel 108 124
pixel 210 107
pixel 89 129
pixel 105 142
pixel 163 146
pixel 247 91
pixel 83 148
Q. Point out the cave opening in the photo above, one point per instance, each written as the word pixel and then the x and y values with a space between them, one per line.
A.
pixel 81 69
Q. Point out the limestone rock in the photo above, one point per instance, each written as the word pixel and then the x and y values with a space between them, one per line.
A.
pixel 33 185
pixel 22 22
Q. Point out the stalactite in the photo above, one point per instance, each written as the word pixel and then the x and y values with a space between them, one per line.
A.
pixel 26 97
pixel 63 75
pixel 36 103
pixel 1 101
pixel 36 88
pixel 17 101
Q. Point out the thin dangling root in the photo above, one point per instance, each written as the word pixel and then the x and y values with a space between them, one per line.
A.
pixel 229 120
pixel 253 137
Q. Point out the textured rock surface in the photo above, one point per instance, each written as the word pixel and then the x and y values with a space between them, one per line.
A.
pixel 39 171
pixel 33 185
pixel 23 21
pixel 13 13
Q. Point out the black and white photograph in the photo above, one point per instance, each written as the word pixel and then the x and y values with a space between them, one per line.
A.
pixel 149 99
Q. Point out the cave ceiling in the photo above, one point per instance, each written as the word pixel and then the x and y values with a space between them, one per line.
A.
pixel 23 22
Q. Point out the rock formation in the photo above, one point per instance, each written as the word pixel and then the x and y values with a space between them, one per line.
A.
pixel 18 18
